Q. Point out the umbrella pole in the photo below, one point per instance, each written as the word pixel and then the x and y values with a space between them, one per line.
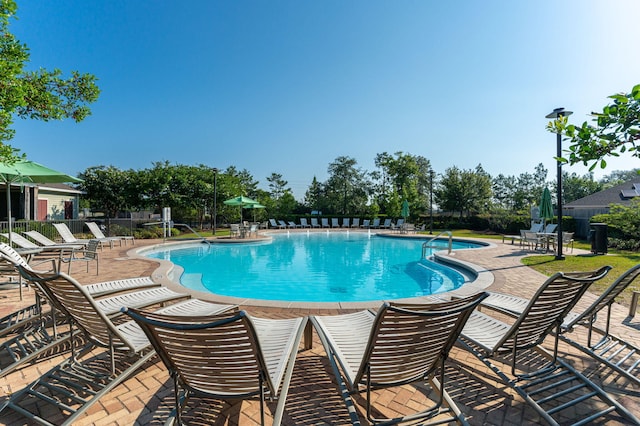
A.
pixel 9 210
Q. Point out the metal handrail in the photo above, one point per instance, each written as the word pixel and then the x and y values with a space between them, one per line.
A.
pixel 428 244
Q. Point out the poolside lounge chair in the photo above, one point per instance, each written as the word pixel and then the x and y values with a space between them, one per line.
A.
pixel 282 224
pixel 314 223
pixel 67 235
pixel 21 241
pixel 550 385
pixel 355 223
pixel 401 344
pixel 291 224
pixel 44 241
pixel 366 223
pixel 550 228
pixel 345 222
pixel 97 232
pixel 88 255
pixel 617 353
pixel 325 222
pixel 386 224
pixel 76 376
pixel 226 356
pixel 398 225
pixel 376 223
pixel 304 223
pixel 276 225
pixel 334 222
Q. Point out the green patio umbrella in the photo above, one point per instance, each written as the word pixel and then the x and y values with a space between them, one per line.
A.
pixel 25 171
pixel 242 202
pixel 405 209
pixel 546 208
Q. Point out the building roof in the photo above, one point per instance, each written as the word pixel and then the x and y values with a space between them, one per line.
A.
pixel 620 194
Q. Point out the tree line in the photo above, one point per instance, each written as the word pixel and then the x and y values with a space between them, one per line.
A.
pixel 194 192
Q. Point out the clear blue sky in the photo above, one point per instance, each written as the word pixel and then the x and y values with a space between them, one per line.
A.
pixel 288 86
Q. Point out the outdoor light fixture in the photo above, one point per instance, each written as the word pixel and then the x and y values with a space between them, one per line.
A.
pixel 555 114
pixel 215 199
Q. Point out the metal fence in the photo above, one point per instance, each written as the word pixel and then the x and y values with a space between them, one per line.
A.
pixel 124 226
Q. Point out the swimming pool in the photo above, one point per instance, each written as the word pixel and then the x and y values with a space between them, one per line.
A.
pixel 315 267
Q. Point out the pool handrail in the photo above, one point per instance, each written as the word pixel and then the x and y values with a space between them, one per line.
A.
pixel 428 244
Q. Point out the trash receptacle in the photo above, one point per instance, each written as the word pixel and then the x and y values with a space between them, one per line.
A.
pixel 599 238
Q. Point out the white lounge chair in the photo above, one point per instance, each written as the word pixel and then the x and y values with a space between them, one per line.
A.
pixel 304 223
pixel 345 222
pixel 334 222
pixel 67 235
pixel 401 344
pixel 44 241
pixel 97 232
pixel 314 223
pixel 549 384
pixel 224 356
pixel 77 377
pixel 325 222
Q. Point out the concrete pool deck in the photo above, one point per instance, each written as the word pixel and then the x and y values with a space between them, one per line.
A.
pixel 313 399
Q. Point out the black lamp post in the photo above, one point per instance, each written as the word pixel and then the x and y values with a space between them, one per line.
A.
pixel 431 175
pixel 215 200
pixel 557 113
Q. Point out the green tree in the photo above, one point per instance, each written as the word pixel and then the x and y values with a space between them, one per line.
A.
pixel 346 188
pixel 616 130
pixel 575 187
pixel 41 95
pixel 277 185
pixel 107 189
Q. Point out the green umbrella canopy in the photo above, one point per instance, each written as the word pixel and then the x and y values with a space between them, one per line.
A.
pixel 241 201
pixel 546 208
pixel 25 171
pixel 405 209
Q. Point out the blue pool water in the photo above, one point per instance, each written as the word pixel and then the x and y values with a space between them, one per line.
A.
pixel 315 267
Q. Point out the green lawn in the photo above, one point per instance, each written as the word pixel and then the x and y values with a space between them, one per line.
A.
pixel 548 265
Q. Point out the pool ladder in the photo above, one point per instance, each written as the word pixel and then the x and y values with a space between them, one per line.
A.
pixel 429 244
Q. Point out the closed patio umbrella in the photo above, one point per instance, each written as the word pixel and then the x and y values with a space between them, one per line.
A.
pixel 546 208
pixel 25 171
pixel 405 209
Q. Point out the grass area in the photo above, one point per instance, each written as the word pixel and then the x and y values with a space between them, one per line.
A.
pixel 548 265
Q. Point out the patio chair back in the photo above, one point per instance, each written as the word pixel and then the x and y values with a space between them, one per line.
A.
pixel 95 230
pixel 65 233
pixel 546 309
pixel 421 336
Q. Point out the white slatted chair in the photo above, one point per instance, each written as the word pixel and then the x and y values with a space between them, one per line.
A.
pixel 85 314
pixel 556 387
pixel 401 344
pixel 226 356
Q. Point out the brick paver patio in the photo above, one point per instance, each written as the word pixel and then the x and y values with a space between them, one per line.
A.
pixel 313 397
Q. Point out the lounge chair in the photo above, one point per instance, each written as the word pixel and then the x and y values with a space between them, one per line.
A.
pixel 386 224
pixel 325 222
pixel 334 222
pixel 549 384
pixel 31 331
pixel 314 223
pixel 291 224
pixel 67 235
pixel 88 255
pixel 226 356
pixel 276 225
pixel 253 229
pixel 366 223
pixel 550 228
pixel 376 223
pixel 532 240
pixel 282 224
pixel 567 241
pixel 97 232
pixel 401 344
pixel 44 241
pixel 345 222
pixel 355 223
pixel 80 378
pixel 398 225
pixel 614 351
pixel 304 223
pixel 21 241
